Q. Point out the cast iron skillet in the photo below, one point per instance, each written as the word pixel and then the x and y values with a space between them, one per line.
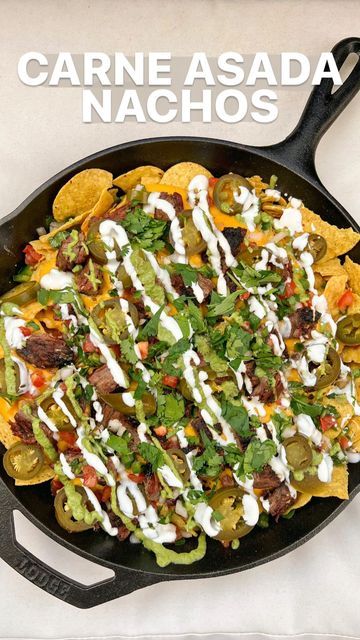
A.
pixel 293 162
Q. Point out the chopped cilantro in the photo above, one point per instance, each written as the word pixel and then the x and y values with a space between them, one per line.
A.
pixel 144 230
pixel 151 454
pixel 237 417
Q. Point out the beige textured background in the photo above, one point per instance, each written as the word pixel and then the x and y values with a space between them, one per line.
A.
pixel 315 589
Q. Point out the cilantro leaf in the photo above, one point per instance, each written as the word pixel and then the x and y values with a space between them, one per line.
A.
pixel 120 444
pixel 237 417
pixel 299 405
pixel 128 351
pixel 152 454
pixel 150 328
pixel 257 455
pixel 170 408
pixel 187 272
pixel 196 319
pixel 144 230
pixel 57 240
pixel 209 463
pixel 224 305
pixel 249 277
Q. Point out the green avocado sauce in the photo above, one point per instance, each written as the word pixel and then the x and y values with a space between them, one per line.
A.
pixel 10 375
pixel 163 556
pixel 43 441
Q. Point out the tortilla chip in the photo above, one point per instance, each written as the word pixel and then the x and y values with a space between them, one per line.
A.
pixel 357 388
pixel 329 268
pixel 334 289
pixel 351 354
pixel 103 205
pixel 7 437
pixel 74 222
pixel 46 473
pixel 301 500
pixel 345 411
pixel 181 174
pixel 131 178
pixel 353 271
pixel 339 241
pixel 354 433
pixel 337 487
pixel 355 306
pixel 81 193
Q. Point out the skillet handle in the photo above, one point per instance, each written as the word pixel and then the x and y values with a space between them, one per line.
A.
pixel 297 151
pixel 51 581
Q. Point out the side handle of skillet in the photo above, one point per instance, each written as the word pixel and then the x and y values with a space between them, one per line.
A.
pixel 51 581
pixel 297 151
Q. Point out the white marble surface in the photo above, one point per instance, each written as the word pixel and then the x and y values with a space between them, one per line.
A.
pixel 314 590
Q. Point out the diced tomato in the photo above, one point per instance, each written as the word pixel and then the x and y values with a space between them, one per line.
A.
pixel 32 257
pixel 37 379
pixel 90 477
pixel 69 437
pixel 106 494
pixel 344 442
pixel 345 300
pixel 213 181
pixel 89 347
pixel 244 296
pixel 136 477
pixel 327 422
pixel 161 431
pixel 290 288
pixel 55 486
pixel 26 331
pixel 170 381
pixel 143 349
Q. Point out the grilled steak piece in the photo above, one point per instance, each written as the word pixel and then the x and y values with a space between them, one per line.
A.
pixel 22 428
pixel 280 500
pixel 175 199
pixel 234 236
pixel 266 479
pixel 90 279
pixel 101 378
pixel 130 424
pixel 303 320
pixel 178 283
pixel 206 284
pixel 123 532
pixel 152 487
pixel 69 254
pixel 46 351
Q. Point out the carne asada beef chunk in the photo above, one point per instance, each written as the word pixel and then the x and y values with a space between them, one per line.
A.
pixel 129 423
pixel 67 258
pixel 179 286
pixel 21 427
pixel 303 320
pixel 261 387
pixel 205 283
pixel 46 351
pixel 266 479
pixel 234 236
pixel 115 521
pixel 90 279
pixel 116 214
pixel 280 500
pixel 152 487
pixel 101 378
pixel 175 199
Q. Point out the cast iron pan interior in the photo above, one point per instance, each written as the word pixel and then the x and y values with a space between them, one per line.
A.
pixel 292 161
